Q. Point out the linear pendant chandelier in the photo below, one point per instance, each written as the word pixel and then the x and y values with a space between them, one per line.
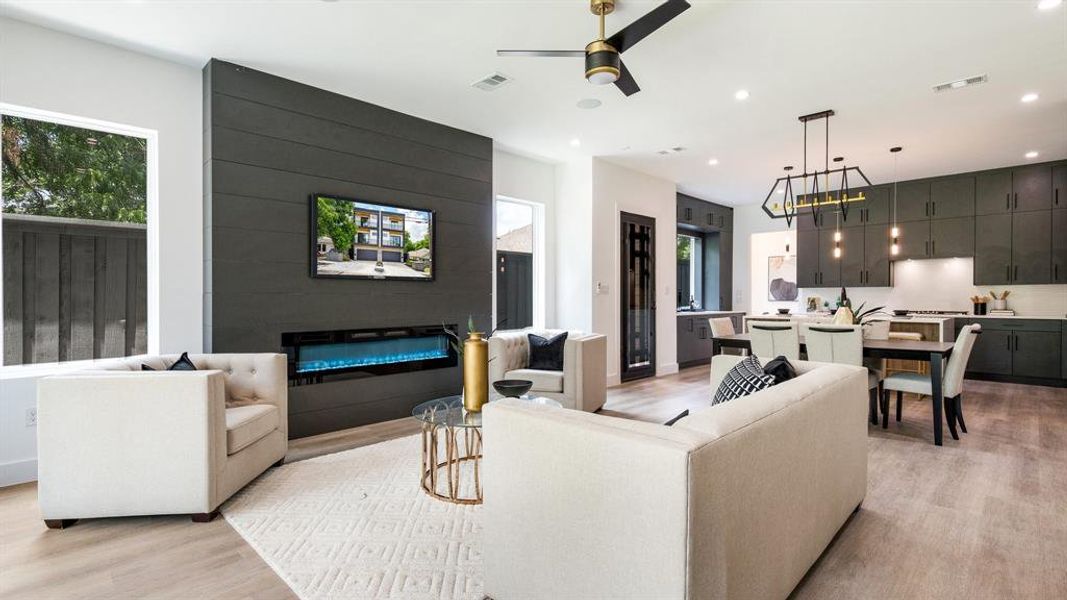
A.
pixel 828 189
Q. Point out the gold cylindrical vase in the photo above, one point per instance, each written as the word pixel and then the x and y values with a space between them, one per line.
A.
pixel 475 372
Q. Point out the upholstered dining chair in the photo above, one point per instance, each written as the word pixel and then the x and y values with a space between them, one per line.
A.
pixel 843 344
pixel 952 383
pixel 723 326
pixel 770 340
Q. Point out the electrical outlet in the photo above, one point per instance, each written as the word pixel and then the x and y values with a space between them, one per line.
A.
pixel 31 417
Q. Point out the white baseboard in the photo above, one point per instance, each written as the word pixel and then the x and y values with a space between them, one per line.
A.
pixel 14 473
pixel 668 369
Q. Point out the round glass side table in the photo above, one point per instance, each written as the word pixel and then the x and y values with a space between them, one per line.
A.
pixel 445 423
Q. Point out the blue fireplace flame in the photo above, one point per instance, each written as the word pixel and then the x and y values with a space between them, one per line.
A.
pixel 365 353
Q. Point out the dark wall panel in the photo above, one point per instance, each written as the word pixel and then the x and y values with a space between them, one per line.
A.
pixel 271 143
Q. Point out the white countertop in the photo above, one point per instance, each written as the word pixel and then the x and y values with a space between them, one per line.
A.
pixel 932 319
pixel 1060 318
pixel 699 313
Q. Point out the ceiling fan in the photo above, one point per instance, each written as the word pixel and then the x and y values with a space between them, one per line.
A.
pixel 603 64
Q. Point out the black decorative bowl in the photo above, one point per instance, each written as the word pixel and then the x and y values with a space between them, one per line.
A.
pixel 783 311
pixel 900 313
pixel 512 388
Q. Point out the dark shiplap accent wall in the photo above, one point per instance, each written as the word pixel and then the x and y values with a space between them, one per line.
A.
pixel 270 143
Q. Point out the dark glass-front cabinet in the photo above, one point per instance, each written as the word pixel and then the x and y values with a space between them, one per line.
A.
pixel 638 296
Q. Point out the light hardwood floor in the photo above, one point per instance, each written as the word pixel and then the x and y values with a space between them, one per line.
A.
pixel 985 517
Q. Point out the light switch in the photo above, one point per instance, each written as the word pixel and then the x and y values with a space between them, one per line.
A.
pixel 601 288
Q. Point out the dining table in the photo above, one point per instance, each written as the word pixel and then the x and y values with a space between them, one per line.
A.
pixel 935 353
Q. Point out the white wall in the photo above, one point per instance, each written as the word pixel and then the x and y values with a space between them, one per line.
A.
pixel 48 70
pixel 617 189
pixel 532 180
pixel 748 220
pixel 762 246
pixel 574 245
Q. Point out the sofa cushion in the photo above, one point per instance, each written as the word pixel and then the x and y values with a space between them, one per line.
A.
pixel 744 378
pixel 248 424
pixel 547 354
pixel 543 381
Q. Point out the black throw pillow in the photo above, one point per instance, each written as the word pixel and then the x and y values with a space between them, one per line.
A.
pixel 684 413
pixel 182 364
pixel 547 354
pixel 743 379
pixel 781 369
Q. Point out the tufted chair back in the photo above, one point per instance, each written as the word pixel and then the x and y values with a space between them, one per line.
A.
pixel 510 350
pixel 250 378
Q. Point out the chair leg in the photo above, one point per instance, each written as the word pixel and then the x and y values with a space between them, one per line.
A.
pixel 885 409
pixel 900 405
pixel 59 523
pixel 205 517
pixel 872 410
pixel 950 417
pixel 957 407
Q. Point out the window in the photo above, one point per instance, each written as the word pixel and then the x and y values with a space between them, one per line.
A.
pixel 690 271
pixel 74 254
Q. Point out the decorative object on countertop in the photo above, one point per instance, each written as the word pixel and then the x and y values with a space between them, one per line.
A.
pixel 843 300
pixel 1002 313
pixel 844 316
pixel 980 304
pixel 512 388
pixel 814 303
pixel 1000 302
pixel 783 311
pixel 900 312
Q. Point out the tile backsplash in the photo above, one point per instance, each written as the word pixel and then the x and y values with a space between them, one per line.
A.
pixel 946 284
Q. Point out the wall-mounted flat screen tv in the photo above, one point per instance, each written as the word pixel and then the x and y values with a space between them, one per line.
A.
pixel 354 239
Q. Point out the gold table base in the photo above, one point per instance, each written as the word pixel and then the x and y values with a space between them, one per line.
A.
pixel 456 454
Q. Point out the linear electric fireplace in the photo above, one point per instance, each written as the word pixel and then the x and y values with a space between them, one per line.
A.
pixel 316 354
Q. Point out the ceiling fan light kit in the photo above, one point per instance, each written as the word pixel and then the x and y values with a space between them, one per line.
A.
pixel 603 63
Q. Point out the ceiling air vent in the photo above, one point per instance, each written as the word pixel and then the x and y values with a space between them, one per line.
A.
pixel 492 82
pixel 961 83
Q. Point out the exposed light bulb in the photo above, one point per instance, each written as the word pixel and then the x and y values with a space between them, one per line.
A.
pixel 1028 98
pixel 602 77
pixel 837 252
pixel 894 249
pixel 837 236
pixel 894 232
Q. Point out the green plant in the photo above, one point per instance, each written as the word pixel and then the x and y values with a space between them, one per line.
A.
pixel 456 342
pixel 859 315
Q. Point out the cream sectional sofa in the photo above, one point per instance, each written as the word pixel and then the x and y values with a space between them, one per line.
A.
pixel 119 441
pixel 581 385
pixel 734 501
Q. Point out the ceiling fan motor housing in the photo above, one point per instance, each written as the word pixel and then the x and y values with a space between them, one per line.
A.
pixel 601 63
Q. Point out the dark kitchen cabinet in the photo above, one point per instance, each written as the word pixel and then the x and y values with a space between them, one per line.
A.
pixel 1031 247
pixel 1031 188
pixel 1059 187
pixel 913 200
pixel 686 212
pixel 991 352
pixel 914 239
pixel 951 237
pixel 1059 246
pixel 719 217
pixel 952 197
pixel 807 220
pixel 992 249
pixel 876 256
pixel 829 267
pixel 726 271
pixel 993 192
pixel 875 210
pixel 1063 349
pixel 694 340
pixel 807 258
pixel 853 266
pixel 1036 354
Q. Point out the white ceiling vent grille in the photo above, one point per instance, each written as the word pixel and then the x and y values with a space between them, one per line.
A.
pixel 492 82
pixel 961 83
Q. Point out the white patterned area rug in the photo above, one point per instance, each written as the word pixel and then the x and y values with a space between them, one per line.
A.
pixel 356 524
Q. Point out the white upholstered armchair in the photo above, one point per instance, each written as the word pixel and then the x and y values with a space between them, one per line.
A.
pixel 119 441
pixel 582 384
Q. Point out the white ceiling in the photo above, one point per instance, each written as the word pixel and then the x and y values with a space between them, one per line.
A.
pixel 874 62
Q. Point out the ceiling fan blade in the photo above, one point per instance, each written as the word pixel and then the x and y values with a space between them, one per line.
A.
pixel 543 53
pixel 625 82
pixel 650 22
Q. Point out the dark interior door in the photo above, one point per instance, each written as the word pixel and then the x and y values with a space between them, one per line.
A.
pixel 638 296
pixel 514 290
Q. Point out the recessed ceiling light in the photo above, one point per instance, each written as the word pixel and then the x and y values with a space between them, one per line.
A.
pixel 741 95
pixel 781 191
pixel 576 142
pixel 713 161
pixel 1031 97
pixel 1031 154
pixel 1048 4
pixel 588 103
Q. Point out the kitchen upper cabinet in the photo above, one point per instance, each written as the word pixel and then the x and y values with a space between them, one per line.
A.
pixel 952 197
pixel 853 264
pixel 992 249
pixel 1059 247
pixel 1036 354
pixel 875 210
pixel 950 238
pixel 992 353
pixel 807 221
pixel 726 271
pixel 1031 188
pixel 913 200
pixel 720 217
pixel 685 212
pixel 1059 187
pixel 829 267
pixel 807 258
pixel 1031 247
pixel 876 256
pixel 914 240
pixel 993 193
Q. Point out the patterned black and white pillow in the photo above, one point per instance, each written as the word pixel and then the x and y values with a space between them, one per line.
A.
pixel 746 377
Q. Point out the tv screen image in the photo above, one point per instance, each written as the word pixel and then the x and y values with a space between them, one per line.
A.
pixel 364 240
